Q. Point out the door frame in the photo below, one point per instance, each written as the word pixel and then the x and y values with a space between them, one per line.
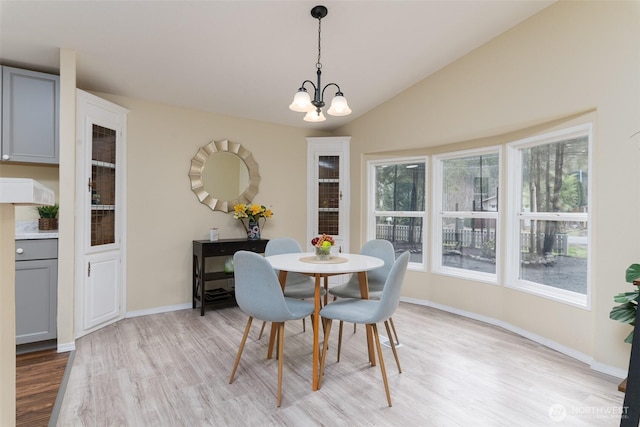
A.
pixel 339 146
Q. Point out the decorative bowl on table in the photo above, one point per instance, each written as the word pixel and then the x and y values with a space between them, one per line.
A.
pixel 323 245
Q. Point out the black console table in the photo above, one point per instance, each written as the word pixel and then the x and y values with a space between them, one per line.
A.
pixel 203 249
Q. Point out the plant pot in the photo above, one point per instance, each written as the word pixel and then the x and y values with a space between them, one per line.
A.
pixel 48 224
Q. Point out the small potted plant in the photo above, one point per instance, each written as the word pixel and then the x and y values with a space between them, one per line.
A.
pixel 48 217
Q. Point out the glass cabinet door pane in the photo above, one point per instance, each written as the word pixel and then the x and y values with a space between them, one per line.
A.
pixel 103 185
pixel 328 195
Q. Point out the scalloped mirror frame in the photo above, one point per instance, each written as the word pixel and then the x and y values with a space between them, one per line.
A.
pixel 197 168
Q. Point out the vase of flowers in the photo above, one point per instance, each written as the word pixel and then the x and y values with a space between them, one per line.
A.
pixel 323 245
pixel 252 215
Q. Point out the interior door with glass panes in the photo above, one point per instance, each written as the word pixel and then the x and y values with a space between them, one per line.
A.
pixel 100 153
pixel 327 192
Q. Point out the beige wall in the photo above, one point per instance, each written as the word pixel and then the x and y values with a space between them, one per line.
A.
pixel 571 58
pixel 7 317
pixel 164 215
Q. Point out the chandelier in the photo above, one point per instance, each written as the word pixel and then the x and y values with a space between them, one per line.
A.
pixel 302 102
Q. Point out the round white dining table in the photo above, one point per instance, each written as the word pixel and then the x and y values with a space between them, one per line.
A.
pixel 306 263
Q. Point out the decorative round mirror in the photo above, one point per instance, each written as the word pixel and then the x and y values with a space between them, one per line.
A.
pixel 223 174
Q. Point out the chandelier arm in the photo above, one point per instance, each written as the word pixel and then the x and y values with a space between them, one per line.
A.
pixel 308 81
pixel 339 93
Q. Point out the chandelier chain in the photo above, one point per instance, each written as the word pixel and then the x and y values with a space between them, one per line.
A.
pixel 319 64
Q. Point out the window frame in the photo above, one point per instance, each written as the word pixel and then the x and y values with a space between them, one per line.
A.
pixel 515 215
pixel 371 197
pixel 438 216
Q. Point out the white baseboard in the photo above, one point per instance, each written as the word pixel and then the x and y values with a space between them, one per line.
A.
pixel 596 366
pixel 65 347
pixel 156 310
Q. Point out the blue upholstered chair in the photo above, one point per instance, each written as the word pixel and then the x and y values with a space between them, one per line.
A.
pixel 297 285
pixel 369 312
pixel 376 279
pixel 259 295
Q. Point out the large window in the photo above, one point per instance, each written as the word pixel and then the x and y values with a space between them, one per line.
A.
pixel 397 205
pixel 465 213
pixel 548 248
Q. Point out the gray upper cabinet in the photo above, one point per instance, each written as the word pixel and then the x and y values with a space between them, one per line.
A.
pixel 30 116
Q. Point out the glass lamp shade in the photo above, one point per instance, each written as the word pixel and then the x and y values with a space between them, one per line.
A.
pixel 314 117
pixel 301 102
pixel 339 106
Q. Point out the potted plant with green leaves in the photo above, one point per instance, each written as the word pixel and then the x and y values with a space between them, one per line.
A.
pixel 48 217
pixel 626 311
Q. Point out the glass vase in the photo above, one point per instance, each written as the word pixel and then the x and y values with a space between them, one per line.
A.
pixel 322 253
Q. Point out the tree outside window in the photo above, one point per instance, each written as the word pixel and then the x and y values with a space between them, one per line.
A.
pixel 551 214
pixel 466 213
pixel 398 205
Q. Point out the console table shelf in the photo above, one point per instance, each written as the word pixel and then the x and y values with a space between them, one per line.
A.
pixel 202 249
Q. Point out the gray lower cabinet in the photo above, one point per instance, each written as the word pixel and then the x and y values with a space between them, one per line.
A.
pixel 30 116
pixel 36 290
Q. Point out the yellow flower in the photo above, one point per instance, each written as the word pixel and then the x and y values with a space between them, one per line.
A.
pixel 252 212
pixel 239 211
pixel 255 209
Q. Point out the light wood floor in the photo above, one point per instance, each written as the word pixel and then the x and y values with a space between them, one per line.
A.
pixel 172 369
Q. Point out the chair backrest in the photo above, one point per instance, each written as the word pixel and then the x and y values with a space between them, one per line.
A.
pixel 286 245
pixel 384 250
pixel 257 289
pixel 282 245
pixel 391 293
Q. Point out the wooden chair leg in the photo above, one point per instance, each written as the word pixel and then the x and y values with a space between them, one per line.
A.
pixel 262 329
pixel 339 340
pixel 272 340
pixel 325 347
pixel 395 334
pixel 354 327
pixel 326 290
pixel 382 369
pixel 393 345
pixel 281 360
pixel 239 355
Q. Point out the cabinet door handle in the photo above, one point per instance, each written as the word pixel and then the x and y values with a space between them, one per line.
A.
pixel 19 250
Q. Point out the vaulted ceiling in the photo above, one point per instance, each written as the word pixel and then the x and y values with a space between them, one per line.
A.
pixel 248 58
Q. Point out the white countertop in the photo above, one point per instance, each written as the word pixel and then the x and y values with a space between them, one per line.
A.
pixel 27 230
pixel 24 191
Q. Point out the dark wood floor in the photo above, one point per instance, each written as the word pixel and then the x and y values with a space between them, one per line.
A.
pixel 38 377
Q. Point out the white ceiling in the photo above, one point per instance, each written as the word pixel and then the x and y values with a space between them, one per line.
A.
pixel 248 58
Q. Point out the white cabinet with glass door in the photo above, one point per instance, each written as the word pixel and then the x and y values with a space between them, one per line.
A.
pixel 101 133
pixel 328 190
